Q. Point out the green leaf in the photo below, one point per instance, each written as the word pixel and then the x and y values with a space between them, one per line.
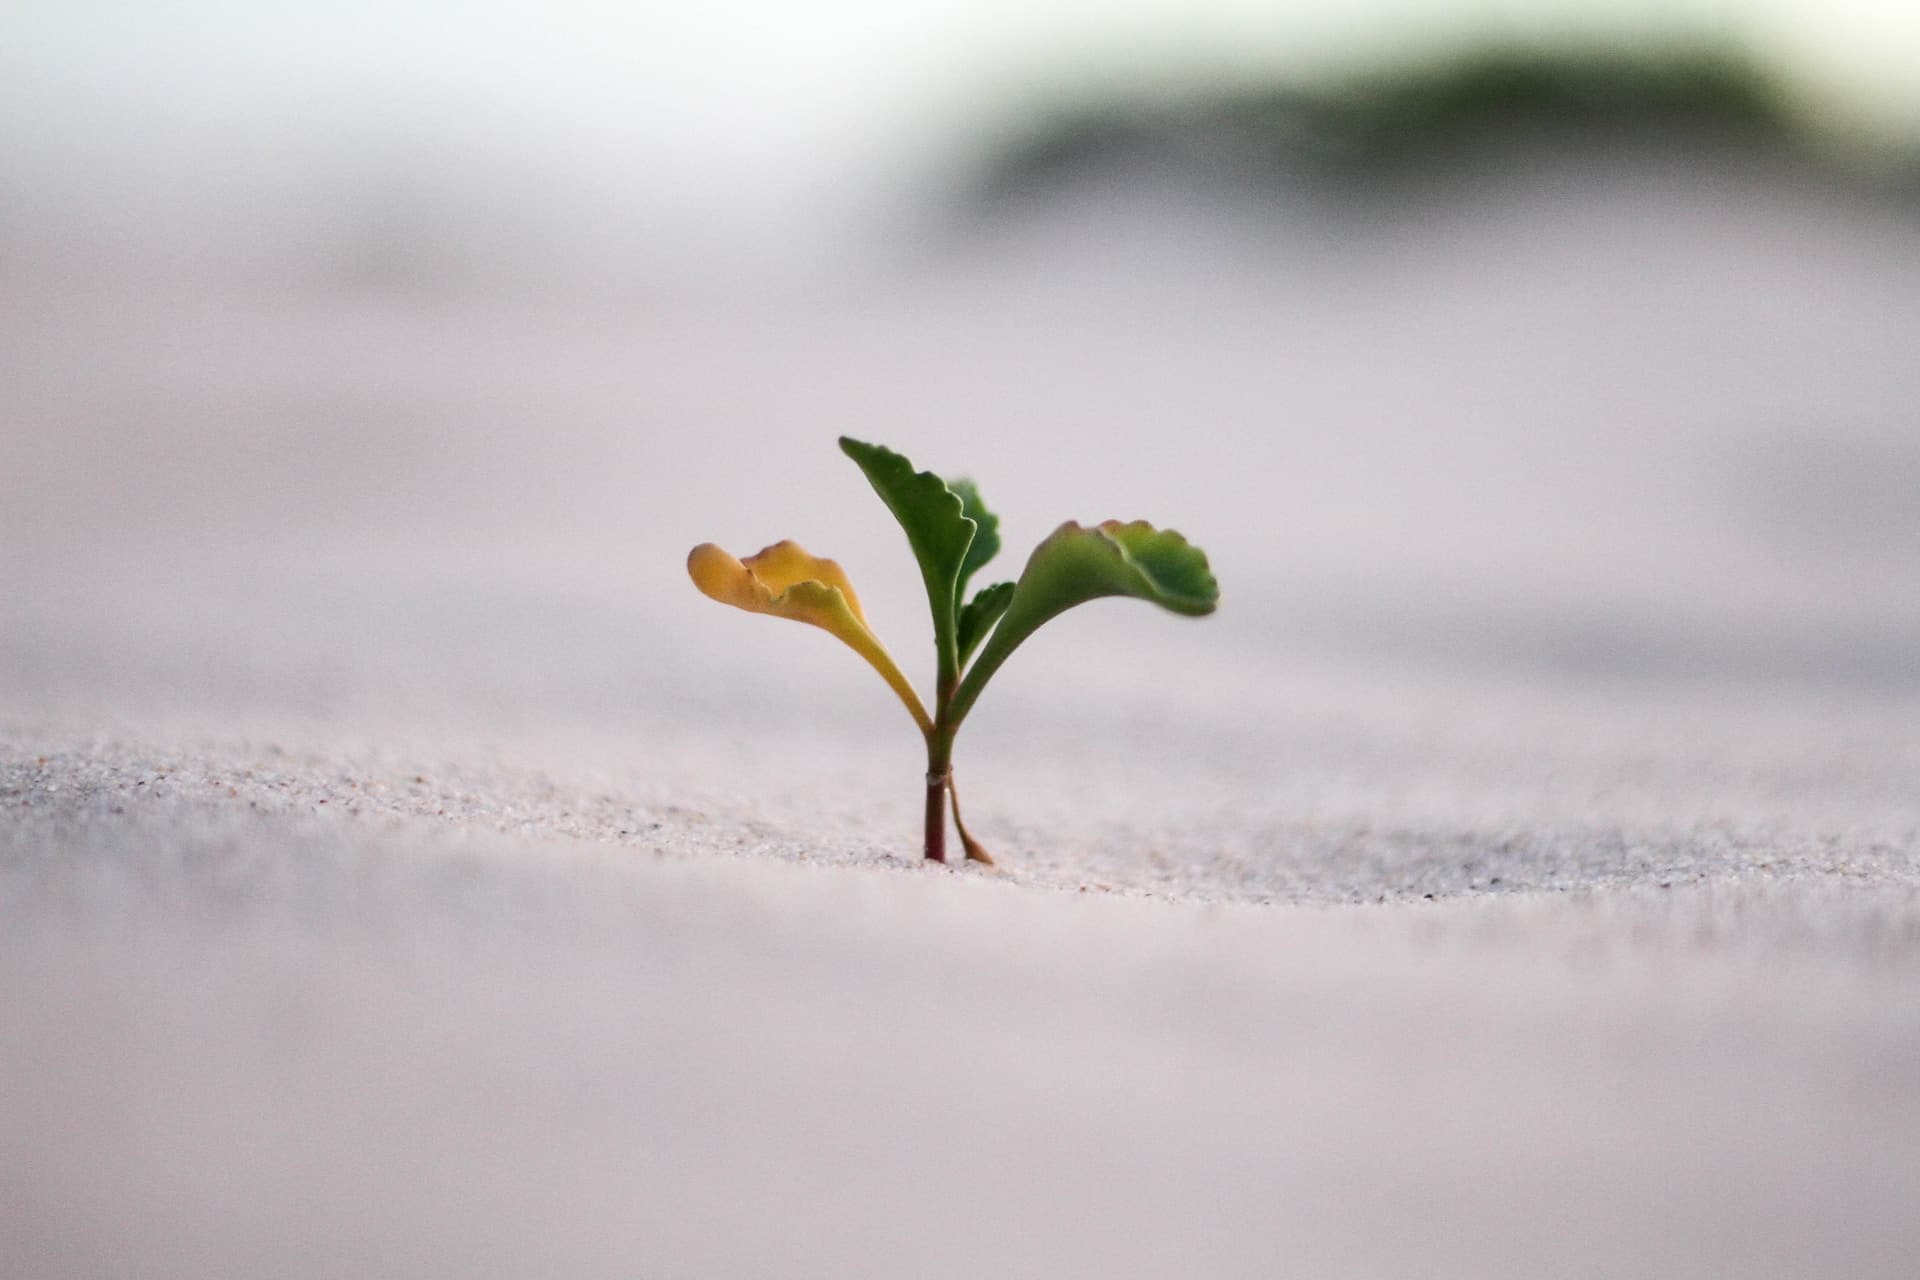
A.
pixel 937 528
pixel 1076 564
pixel 986 542
pixel 979 614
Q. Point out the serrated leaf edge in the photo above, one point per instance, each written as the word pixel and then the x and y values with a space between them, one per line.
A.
pixel 999 648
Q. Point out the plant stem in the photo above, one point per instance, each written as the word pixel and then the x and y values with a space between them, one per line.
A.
pixel 939 773
pixel 936 816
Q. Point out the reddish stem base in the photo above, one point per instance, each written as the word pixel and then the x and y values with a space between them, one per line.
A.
pixel 937 816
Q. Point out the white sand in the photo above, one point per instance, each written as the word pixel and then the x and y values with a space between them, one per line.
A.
pixel 404 872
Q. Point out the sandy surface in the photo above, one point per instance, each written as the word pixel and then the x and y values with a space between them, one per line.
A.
pixel 404 872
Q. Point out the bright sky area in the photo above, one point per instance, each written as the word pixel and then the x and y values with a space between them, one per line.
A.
pixel 707 116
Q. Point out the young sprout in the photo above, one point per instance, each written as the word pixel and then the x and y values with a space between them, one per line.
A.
pixel 953 535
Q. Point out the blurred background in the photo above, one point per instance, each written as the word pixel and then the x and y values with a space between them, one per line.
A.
pixel 391 356
pixel 598 147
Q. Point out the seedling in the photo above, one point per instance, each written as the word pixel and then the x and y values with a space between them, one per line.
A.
pixel 953 535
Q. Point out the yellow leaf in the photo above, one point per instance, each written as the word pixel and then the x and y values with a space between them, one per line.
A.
pixel 786 581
